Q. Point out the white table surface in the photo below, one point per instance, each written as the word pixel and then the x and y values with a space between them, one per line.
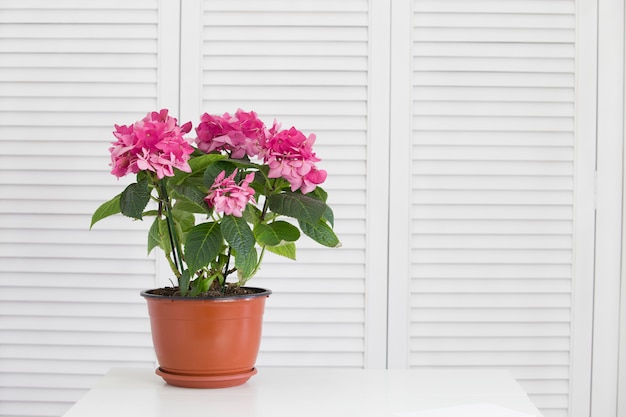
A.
pixel 279 392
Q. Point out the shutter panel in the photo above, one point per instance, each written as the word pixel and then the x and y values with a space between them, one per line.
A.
pixel 492 190
pixel 69 297
pixel 305 64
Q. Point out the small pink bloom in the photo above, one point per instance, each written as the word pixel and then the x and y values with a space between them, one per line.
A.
pixel 227 197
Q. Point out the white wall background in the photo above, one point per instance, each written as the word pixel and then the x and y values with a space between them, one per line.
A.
pixel 475 158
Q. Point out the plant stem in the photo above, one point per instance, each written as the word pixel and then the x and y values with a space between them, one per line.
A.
pixel 176 248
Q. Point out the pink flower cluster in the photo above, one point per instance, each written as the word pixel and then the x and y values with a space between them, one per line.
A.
pixel 154 143
pixel 288 153
pixel 239 134
pixel 228 197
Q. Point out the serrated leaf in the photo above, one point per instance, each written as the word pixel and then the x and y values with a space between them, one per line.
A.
pixel 106 209
pixel 237 233
pixel 275 233
pixel 301 207
pixel 321 233
pixel 134 199
pixel 288 250
pixel 202 245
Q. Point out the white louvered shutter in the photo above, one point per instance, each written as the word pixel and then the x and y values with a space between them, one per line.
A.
pixel 69 297
pixel 305 64
pixel 492 183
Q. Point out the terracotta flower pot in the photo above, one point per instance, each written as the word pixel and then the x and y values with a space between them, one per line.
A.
pixel 206 342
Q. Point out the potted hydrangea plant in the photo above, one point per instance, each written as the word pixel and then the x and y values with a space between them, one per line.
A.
pixel 216 208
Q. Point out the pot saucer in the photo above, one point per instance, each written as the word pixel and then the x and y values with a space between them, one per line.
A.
pixel 206 381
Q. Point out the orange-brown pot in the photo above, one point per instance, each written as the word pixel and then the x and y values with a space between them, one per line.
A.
pixel 206 342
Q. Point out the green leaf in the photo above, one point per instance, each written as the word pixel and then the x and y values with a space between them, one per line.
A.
pixel 183 282
pixel 154 235
pixel 238 234
pixel 212 171
pixel 191 198
pixel 288 250
pixel 197 163
pixel 202 245
pixel 246 264
pixel 107 209
pixel 134 199
pixel 321 233
pixel 305 209
pixel 252 214
pixel 184 220
pixel 275 233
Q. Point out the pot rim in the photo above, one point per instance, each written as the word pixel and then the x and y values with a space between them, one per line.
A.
pixel 262 292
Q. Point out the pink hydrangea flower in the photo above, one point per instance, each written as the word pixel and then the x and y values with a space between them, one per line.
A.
pixel 289 154
pixel 228 197
pixel 154 143
pixel 239 134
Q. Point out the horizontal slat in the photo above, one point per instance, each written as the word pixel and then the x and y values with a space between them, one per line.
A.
pixel 321 330
pixel 494 153
pixel 56 75
pixel 491 256
pixel 487 315
pixel 501 94
pixel 490 270
pixel 476 182
pixel 80 31
pixel 77 61
pixel 314 315
pixel 289 344
pixel 440 32
pixel 453 330
pixel 540 165
pixel 496 212
pixel 486 241
pixel 77 105
pixel 282 93
pixel 77 353
pixel 311 359
pixel 274 33
pixel 512 300
pixel 123 322
pixel 491 226
pixel 81 4
pixel 296 19
pixel 139 16
pixel 489 344
pixel 508 22
pixel 493 64
pixel 286 5
pixel 83 90
pixel 290 63
pixel 75 367
pixel 494 108
pixel 272 48
pixel 86 339
pixel 494 79
pixel 490 358
pixel 41 380
pixel 283 77
pixel 494 49
pixel 87 46
pixel 495 6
